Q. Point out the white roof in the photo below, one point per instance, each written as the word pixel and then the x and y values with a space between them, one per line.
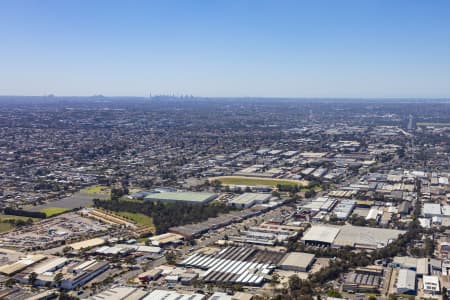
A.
pixel 321 233
pixel 432 209
pixel 171 295
pixel 406 279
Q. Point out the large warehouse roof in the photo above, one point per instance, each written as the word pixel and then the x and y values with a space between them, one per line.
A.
pixel 321 233
pixel 365 236
pixel 193 197
pixel 298 259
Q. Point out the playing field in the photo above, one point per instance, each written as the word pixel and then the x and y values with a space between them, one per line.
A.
pixel 51 211
pixel 255 181
pixel 97 189
pixel 4 227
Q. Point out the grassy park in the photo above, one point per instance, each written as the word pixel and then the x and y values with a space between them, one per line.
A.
pixel 52 211
pixel 255 181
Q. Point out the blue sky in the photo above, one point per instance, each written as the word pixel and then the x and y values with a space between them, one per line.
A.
pixel 316 48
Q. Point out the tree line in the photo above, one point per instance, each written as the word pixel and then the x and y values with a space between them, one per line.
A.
pixel 166 215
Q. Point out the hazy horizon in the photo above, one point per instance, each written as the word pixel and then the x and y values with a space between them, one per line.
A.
pixel 293 49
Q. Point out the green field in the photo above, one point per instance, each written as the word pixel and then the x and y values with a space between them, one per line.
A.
pixel 434 124
pixel 11 217
pixel 4 227
pixel 51 211
pixel 139 218
pixel 253 181
pixel 97 189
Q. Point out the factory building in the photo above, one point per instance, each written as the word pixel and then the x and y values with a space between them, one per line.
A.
pixel 297 261
pixel 238 265
pixel 431 285
pixel 181 197
pixel 406 282
pixel 349 235
pixel 320 235
pixel 249 199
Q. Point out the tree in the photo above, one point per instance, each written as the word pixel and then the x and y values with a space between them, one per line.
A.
pixel 170 257
pixel 10 282
pixel 275 279
pixel 32 278
pixel 58 278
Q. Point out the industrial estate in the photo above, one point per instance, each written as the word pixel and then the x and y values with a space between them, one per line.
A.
pixel 194 198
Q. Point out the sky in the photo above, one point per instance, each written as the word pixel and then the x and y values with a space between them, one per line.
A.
pixel 226 48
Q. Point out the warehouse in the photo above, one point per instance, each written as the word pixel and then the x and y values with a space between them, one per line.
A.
pixel 432 210
pixel 82 273
pixel 406 282
pixel 21 264
pixel 349 235
pixel 320 235
pixel 297 261
pixel 365 237
pixel 165 295
pixel 431 285
pixel 120 293
pixel 239 265
pixel 343 210
pixel 181 197
pixel 249 199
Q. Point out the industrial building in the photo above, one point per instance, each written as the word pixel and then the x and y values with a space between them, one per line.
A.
pixel 320 235
pixel 431 210
pixel 349 235
pixel 166 295
pixel 120 293
pixel 297 261
pixel 431 285
pixel 241 265
pixel 181 197
pixel 166 239
pixel 83 272
pixel 365 237
pixel 21 264
pixel 343 209
pixel 364 279
pixel 406 282
pixel 249 199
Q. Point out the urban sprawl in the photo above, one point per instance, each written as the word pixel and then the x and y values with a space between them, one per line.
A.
pixel 194 198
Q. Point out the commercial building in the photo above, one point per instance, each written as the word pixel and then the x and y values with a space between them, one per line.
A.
pixel 297 261
pixel 181 197
pixel 406 282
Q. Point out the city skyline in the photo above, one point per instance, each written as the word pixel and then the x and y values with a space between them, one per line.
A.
pixel 320 49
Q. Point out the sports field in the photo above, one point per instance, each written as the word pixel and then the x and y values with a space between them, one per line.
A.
pixel 255 181
pixel 97 189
